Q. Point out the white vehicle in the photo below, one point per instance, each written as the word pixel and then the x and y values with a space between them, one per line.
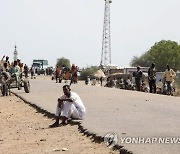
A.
pixel 40 65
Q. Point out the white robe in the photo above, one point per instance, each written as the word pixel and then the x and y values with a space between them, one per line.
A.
pixel 74 110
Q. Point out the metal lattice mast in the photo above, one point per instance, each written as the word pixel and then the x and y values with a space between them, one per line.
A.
pixel 106 42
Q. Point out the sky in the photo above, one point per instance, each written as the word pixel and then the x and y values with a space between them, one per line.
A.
pixel 51 29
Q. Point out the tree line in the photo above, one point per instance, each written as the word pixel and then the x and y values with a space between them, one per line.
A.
pixel 161 53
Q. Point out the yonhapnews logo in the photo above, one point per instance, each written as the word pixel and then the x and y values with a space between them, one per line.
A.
pixel 111 139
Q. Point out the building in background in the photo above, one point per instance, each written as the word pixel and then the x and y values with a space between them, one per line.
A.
pixel 15 53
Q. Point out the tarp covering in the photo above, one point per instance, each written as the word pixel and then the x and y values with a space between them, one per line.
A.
pixel 99 73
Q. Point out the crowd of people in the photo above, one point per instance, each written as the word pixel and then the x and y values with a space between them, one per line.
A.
pixel 16 68
pixel 65 73
pixel 167 79
pixel 139 83
pixel 13 69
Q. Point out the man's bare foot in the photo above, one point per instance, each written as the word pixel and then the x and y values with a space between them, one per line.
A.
pixel 56 124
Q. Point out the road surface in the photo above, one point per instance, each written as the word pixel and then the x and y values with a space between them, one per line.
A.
pixel 151 118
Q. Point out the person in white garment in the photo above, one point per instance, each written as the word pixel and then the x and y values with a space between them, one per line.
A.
pixel 69 106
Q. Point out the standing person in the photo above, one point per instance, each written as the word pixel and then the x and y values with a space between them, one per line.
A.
pixel 152 78
pixel 88 80
pixel 5 61
pixel 58 73
pixel 101 80
pixel 2 60
pixel 73 74
pixel 20 67
pixel 26 69
pixel 32 72
pixel 15 70
pixel 168 77
pixel 70 106
pixel 6 68
pixel 138 77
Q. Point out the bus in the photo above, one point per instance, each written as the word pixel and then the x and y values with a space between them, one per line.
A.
pixel 40 63
pixel 40 66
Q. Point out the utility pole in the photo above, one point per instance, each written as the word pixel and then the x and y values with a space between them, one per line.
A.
pixel 106 41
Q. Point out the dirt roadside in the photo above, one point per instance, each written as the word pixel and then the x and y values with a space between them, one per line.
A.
pixel 24 130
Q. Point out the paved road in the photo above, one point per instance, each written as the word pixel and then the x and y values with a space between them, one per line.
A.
pixel 127 113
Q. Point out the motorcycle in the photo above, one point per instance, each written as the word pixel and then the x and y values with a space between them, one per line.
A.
pixel 165 90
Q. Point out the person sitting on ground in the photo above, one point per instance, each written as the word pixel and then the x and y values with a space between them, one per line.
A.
pixel 128 83
pixel 69 106
pixel 94 82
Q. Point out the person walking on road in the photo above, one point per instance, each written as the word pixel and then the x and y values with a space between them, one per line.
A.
pixel 26 69
pixel 168 77
pixel 152 78
pixel 57 73
pixel 69 106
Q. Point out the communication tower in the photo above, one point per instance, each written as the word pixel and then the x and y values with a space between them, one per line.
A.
pixel 106 41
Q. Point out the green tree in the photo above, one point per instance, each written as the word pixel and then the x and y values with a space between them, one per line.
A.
pixel 161 53
pixel 63 61
pixel 143 60
pixel 88 72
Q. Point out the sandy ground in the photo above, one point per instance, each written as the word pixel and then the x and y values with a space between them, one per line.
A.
pixel 24 130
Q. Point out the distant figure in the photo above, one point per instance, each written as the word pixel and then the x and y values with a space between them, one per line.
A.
pixel 152 78
pixel 101 80
pixel 57 73
pixel 70 106
pixel 4 61
pixel 73 71
pixel 26 69
pixel 168 77
pixel 15 70
pixel 94 82
pixel 138 77
pixel 32 72
pixel 128 84
pixel 88 80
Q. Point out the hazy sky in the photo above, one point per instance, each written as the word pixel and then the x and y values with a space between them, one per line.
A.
pixel 73 29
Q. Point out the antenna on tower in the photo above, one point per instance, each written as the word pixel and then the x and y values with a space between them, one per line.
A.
pixel 106 41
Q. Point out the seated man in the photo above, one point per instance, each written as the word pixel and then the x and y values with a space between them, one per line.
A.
pixel 69 106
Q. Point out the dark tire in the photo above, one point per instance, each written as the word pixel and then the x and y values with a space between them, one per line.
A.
pixel 26 86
